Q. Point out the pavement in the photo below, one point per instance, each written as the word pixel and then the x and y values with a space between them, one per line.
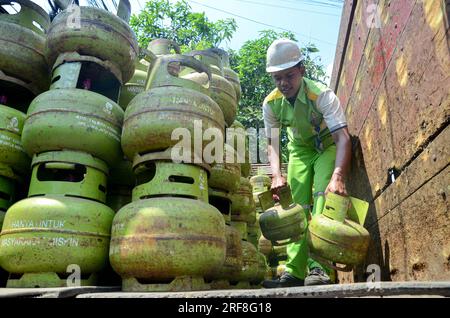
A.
pixel 360 290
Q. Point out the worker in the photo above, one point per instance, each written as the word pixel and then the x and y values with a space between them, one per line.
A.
pixel 319 150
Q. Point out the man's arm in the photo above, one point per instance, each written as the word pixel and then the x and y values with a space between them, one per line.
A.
pixel 328 103
pixel 342 164
pixel 273 148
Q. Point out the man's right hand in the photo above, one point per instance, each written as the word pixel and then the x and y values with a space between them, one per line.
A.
pixel 278 181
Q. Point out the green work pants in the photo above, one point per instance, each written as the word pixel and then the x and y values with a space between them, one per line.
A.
pixel 307 169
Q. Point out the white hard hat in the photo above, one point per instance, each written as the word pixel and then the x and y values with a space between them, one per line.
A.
pixel 282 54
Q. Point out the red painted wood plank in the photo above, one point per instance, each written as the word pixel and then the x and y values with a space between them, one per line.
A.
pixel 354 52
pixel 419 103
pixel 344 29
pixel 378 54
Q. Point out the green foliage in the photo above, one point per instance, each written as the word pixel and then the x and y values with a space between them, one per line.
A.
pixel 177 22
pixel 250 63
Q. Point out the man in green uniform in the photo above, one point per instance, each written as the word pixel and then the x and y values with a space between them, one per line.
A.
pixel 319 149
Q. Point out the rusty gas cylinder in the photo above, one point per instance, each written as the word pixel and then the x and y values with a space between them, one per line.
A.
pixel 265 246
pixel 229 73
pixel 159 178
pixel 74 119
pixel 253 233
pixel 61 231
pixel 234 258
pixel 284 222
pixel 334 237
pixel 237 136
pixel 136 84
pixel 260 183
pixel 222 91
pixel 242 199
pixel 241 227
pixel 169 105
pixel 22 41
pixel 263 268
pixel 162 238
pixel 70 173
pixel 96 33
pixel 250 271
pixel 247 217
pixel 226 175
pixel 13 159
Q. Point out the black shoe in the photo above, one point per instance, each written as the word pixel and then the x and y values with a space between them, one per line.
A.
pixel 317 276
pixel 286 280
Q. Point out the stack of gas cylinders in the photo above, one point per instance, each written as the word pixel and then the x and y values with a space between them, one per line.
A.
pixel 116 160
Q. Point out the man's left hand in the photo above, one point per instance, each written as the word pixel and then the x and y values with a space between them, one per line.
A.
pixel 337 185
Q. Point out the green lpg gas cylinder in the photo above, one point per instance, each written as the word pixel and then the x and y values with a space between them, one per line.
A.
pixel 221 200
pixel 47 234
pixel 229 73
pixel 22 41
pixel 241 227
pixel 74 119
pixel 284 222
pixel 226 175
pixel 230 270
pixel 170 105
pixel 13 159
pixel 96 33
pixel 260 183
pixel 250 271
pixel 69 173
pixel 242 200
pixel 254 233
pixel 162 238
pixel 221 90
pixel 237 136
pixel 334 237
pixel 159 178
pixel 136 84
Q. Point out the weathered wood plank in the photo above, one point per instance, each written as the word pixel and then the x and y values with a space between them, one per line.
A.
pixel 377 142
pixel 402 117
pixel 419 77
pixel 358 184
pixel 382 40
pixel 432 160
pixel 354 52
pixel 359 100
pixel 394 16
pixel 344 30
pixel 414 236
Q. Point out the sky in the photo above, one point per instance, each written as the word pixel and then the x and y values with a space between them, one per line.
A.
pixel 310 26
pixel 312 21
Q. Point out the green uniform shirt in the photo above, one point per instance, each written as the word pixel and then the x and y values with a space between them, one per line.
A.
pixel 305 122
